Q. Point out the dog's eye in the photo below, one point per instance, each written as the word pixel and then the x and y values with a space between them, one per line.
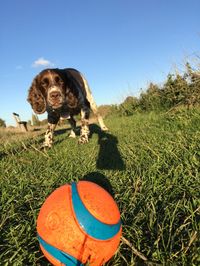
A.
pixel 58 80
pixel 45 82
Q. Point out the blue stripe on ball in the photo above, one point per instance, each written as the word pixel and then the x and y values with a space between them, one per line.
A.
pixel 91 225
pixel 61 256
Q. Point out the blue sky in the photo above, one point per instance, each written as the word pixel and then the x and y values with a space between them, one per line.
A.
pixel 120 45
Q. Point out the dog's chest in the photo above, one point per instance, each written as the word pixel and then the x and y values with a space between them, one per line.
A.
pixel 64 111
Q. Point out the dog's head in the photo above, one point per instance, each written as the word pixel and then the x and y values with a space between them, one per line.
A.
pixel 48 89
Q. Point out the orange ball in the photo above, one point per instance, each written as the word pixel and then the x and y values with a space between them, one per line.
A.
pixel 79 223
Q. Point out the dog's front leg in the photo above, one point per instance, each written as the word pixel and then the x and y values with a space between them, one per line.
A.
pixel 53 118
pixel 48 138
pixel 84 136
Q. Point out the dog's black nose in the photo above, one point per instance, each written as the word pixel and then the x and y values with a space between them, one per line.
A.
pixel 55 95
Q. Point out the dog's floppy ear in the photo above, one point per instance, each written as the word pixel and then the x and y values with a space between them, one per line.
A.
pixel 36 98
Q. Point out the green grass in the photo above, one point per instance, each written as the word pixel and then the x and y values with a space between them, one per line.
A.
pixel 152 163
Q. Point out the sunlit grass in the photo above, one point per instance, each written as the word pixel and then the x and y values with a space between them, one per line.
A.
pixel 152 163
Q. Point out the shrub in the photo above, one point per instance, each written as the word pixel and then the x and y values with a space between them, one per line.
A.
pixel 2 123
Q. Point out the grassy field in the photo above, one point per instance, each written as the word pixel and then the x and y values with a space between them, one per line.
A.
pixel 150 161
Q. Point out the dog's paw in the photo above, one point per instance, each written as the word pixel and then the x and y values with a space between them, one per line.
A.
pixel 46 146
pixel 83 139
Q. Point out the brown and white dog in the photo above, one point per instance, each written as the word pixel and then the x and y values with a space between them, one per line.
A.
pixel 63 93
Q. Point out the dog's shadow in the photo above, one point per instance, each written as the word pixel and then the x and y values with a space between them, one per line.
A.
pixel 61 131
pixel 109 156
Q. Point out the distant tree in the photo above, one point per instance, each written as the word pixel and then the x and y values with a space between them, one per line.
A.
pixel 168 93
pixel 104 110
pixel 2 123
pixel 29 122
pixel 151 98
pixel 35 120
pixel 193 78
pixel 44 122
pixel 182 90
pixel 129 106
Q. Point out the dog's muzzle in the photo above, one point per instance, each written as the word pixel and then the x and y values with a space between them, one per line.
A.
pixel 55 97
